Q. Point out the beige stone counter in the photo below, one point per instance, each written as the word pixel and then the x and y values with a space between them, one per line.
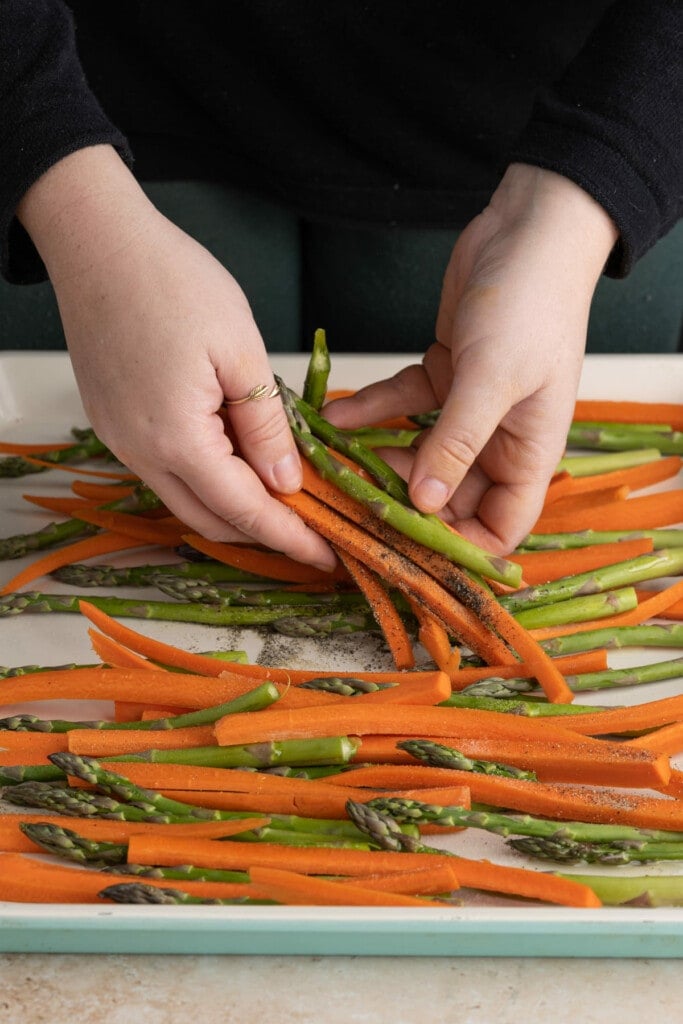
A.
pixel 39 989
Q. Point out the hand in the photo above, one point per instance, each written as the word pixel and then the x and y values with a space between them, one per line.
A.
pixel 505 367
pixel 159 333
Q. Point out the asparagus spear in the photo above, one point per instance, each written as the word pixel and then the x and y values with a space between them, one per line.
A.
pixel 204 591
pixel 254 700
pixel 426 529
pixel 615 637
pixel 324 625
pixel 79 575
pixel 440 756
pixel 572 851
pixel 621 436
pixel 529 708
pixel 541 829
pixel 87 446
pixel 578 609
pixel 633 676
pixel 65 843
pixel 665 562
pixel 592 465
pixel 317 372
pixel 137 892
pixel 634 890
pixel 583 538
pixel 170 611
pixel 347 687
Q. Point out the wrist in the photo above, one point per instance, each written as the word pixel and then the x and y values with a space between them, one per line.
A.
pixel 84 208
pixel 563 213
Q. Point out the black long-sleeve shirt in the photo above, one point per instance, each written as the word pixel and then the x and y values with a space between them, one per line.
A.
pixel 383 112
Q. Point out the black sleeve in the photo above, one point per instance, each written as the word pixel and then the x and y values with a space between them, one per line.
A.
pixel 47 111
pixel 613 123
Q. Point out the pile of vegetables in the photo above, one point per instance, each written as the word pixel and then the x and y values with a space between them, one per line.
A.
pixel 216 780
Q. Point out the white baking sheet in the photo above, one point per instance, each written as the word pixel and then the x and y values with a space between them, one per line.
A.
pixel 38 400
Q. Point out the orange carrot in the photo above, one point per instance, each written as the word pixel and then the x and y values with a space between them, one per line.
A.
pixel 543 566
pixel 176 688
pixel 84 489
pixel 79 551
pixel 400 572
pixel 667 739
pixel 116 655
pixel 294 888
pixel 29 747
pixel 576 803
pixel 424 883
pixel 635 477
pixel 30 880
pixel 385 612
pixel 624 766
pixel 621 411
pixel 647 512
pixel 435 640
pixel 577 501
pixel 102 743
pixel 167 654
pixel 674 787
pixel 263 563
pixel 13 840
pixel 326 860
pixel 19 448
pixel 634 718
pixel 317 802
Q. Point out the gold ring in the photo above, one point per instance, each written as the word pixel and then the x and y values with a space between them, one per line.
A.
pixel 256 394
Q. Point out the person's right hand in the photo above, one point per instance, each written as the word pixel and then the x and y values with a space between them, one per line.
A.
pixel 159 334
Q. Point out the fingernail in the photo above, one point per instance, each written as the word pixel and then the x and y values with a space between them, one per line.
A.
pixel 431 494
pixel 287 473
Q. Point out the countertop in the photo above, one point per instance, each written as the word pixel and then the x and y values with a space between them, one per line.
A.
pixel 334 990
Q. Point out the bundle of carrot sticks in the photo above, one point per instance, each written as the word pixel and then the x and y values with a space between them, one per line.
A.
pixel 292 786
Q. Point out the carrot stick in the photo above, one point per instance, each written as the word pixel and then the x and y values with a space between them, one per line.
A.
pixel 423 883
pixel 263 563
pixel 667 739
pixel 102 743
pixel 86 490
pixel 30 880
pixel 294 888
pixel 542 566
pixel 576 803
pixel 646 512
pixel 326 860
pixel 435 640
pixel 29 747
pixel 79 551
pixel 177 689
pixel 167 654
pixel 650 608
pixel 650 715
pixel 577 501
pixel 19 448
pixel 409 578
pixel 63 506
pixel 116 655
pixel 622 411
pixel 13 840
pixel 674 787
pixel 319 802
pixel 398 571
pixel 352 719
pixel 385 613
pixel 635 477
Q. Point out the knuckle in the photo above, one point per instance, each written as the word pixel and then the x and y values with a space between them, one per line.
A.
pixel 448 449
